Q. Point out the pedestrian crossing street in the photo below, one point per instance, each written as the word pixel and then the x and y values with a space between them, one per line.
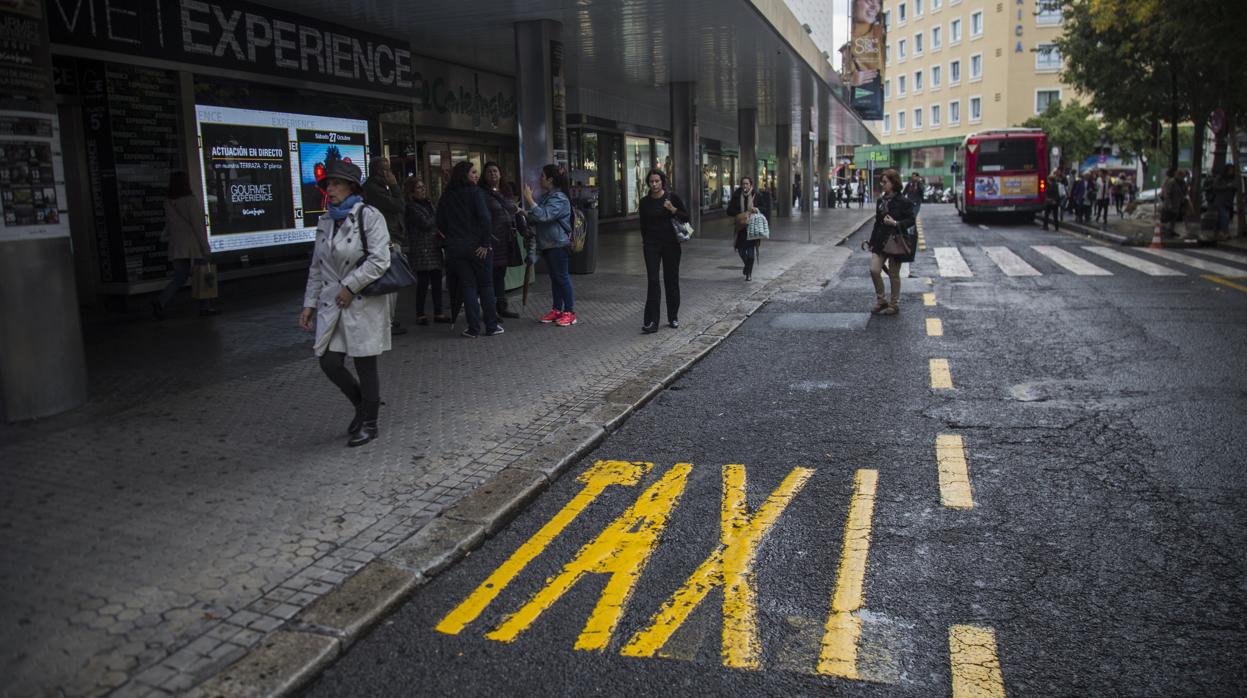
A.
pixel 1087 260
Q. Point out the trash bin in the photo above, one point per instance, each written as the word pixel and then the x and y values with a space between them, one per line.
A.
pixel 586 261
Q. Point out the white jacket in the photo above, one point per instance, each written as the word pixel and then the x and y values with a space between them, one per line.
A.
pixel 363 329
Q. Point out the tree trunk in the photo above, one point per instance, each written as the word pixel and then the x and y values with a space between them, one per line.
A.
pixel 1218 148
pixel 1197 159
pixel 1175 118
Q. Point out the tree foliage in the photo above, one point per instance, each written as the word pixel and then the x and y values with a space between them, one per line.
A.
pixel 1142 62
pixel 1073 127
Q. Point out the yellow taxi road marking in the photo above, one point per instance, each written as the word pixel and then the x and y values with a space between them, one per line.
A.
pixel 596 479
pixel 935 327
pixel 1225 282
pixel 622 551
pixel 841 633
pixel 941 375
pixel 728 566
pixel 950 455
pixel 975 666
pixel 928 299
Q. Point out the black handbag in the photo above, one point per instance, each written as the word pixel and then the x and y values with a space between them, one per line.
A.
pixel 398 276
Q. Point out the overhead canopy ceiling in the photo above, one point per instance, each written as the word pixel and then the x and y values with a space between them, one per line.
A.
pixel 630 48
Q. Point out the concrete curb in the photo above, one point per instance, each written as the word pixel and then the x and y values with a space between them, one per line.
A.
pixel 287 659
pixel 1092 231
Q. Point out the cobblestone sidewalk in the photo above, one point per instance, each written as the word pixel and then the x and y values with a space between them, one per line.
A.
pixel 204 497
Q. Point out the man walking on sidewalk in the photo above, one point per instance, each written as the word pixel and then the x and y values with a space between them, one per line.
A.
pixel 1102 188
pixel 914 192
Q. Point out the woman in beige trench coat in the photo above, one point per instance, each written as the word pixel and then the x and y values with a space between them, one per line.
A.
pixel 348 323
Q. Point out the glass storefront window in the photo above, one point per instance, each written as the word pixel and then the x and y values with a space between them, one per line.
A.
pixel 589 155
pixel 662 158
pixel 711 180
pixel 637 157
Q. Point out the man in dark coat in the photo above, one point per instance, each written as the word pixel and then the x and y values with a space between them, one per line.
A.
pixel 381 192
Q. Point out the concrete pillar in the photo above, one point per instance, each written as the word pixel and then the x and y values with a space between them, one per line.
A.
pixel 685 139
pixel 783 163
pixel 747 134
pixel 807 150
pixel 541 96
pixel 42 366
pixel 823 160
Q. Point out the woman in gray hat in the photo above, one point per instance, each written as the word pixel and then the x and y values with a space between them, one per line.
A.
pixel 347 322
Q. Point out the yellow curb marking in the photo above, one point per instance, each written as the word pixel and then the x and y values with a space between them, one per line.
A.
pixel 596 479
pixel 950 455
pixel 622 551
pixel 843 630
pixel 928 299
pixel 1224 282
pixel 935 327
pixel 941 375
pixel 728 566
pixel 975 666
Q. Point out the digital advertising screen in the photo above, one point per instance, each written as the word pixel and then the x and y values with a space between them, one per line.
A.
pixel 260 170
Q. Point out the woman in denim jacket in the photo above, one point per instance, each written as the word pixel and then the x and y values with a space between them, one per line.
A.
pixel 553 218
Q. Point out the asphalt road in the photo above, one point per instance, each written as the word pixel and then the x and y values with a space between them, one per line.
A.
pixel 1090 543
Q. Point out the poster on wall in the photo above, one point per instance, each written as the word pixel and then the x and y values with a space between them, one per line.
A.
pixel 32 186
pixel 318 148
pixel 862 59
pixel 260 169
pixel 246 178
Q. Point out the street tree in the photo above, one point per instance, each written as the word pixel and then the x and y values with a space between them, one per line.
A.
pixel 1073 127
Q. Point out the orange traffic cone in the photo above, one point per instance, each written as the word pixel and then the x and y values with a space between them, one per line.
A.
pixel 1156 245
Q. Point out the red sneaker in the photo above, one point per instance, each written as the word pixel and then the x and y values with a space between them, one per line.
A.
pixel 566 319
pixel 551 316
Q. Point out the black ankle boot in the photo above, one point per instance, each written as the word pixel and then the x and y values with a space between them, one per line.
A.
pixel 368 426
pixel 357 421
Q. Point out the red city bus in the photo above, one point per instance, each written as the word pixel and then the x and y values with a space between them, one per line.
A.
pixel 1001 170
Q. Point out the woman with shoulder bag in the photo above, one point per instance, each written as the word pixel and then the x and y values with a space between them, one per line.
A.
pixel 426 250
pixel 502 210
pixel 889 242
pixel 747 201
pixel 352 250
pixel 660 210
pixel 553 218
pixel 188 242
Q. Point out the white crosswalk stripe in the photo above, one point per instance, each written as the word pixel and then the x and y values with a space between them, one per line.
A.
pixel 1010 263
pixel 1075 264
pixel 1203 264
pixel 951 263
pixel 1129 260
pixel 1221 254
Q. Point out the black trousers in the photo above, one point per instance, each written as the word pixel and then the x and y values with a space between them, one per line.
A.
pixel 367 389
pixel 500 288
pixel 1053 210
pixel 667 256
pixel 748 254
pixel 429 282
pixel 476 284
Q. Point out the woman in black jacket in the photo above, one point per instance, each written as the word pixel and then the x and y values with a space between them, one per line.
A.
pixel 893 214
pixel 463 217
pixel 661 248
pixel 748 200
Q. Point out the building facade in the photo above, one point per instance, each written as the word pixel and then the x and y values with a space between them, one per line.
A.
pixel 955 67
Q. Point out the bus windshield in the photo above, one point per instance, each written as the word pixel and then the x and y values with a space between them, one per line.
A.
pixel 1007 155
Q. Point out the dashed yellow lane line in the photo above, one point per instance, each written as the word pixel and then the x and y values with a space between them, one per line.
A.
pixel 935 327
pixel 928 299
pixel 843 630
pixel 621 551
pixel 596 479
pixel 950 456
pixel 941 375
pixel 1225 282
pixel 975 666
pixel 729 566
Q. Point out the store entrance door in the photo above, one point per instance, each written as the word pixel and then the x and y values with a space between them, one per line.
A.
pixel 440 157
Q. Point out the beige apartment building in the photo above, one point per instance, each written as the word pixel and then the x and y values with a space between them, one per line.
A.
pixel 954 67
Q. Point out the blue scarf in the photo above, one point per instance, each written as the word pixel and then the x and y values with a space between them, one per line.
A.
pixel 342 210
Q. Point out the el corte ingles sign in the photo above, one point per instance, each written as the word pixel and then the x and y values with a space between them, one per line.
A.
pixel 244 36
